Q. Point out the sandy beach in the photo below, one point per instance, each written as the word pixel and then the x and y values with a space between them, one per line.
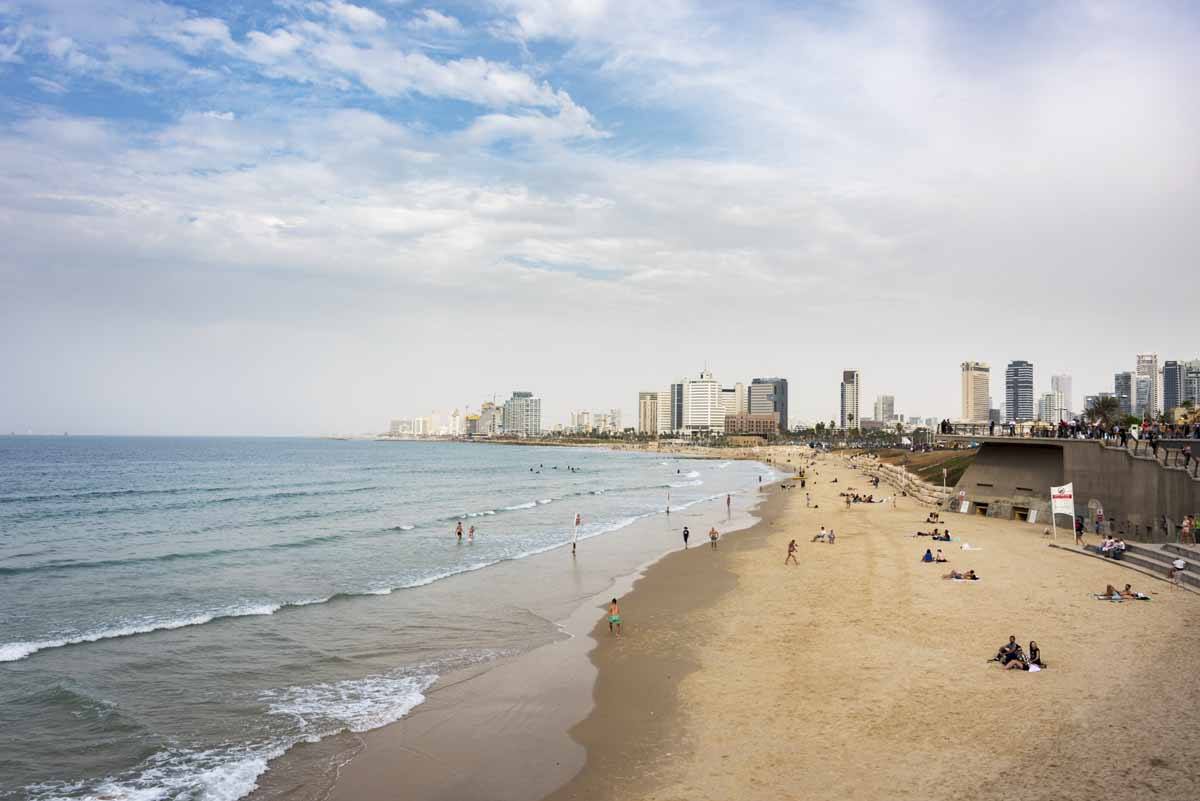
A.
pixel 862 674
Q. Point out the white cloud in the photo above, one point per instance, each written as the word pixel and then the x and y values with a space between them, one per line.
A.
pixel 47 85
pixel 358 18
pixel 428 19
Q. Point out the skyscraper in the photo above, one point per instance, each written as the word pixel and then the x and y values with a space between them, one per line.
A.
pixel 1147 367
pixel 734 399
pixel 670 409
pixel 1051 407
pixel 1172 375
pixel 1062 385
pixel 647 412
pixel 1143 391
pixel 702 413
pixel 769 395
pixel 523 415
pixel 976 384
pixel 1123 391
pixel 1018 391
pixel 1191 382
pixel 885 408
pixel 850 389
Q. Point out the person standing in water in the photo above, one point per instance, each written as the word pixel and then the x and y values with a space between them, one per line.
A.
pixel 686 534
pixel 471 534
pixel 728 501
pixel 712 537
pixel 458 531
pixel 614 617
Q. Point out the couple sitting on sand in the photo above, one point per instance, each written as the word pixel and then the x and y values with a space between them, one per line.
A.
pixel 1011 657
pixel 929 557
pixel 823 536
pixel 1111 593
pixel 968 576
pixel 934 517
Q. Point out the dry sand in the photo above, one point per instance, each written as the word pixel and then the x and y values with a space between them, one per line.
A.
pixel 861 674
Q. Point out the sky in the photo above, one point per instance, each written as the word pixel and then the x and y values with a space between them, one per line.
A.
pixel 312 216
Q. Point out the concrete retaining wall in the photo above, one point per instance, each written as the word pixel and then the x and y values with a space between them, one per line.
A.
pixel 1141 498
pixel 901 480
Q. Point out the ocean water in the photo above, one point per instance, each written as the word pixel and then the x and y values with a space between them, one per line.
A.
pixel 176 613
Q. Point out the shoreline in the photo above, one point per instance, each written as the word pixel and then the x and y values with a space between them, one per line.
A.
pixel 479 731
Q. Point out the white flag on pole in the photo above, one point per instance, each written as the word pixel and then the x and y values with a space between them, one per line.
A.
pixel 1062 500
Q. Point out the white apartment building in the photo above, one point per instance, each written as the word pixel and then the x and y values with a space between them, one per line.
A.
pixel 734 400
pixel 702 412
pixel 849 406
pixel 1051 407
pixel 885 408
pixel 523 415
pixel 1062 384
pixel 670 409
pixel 976 392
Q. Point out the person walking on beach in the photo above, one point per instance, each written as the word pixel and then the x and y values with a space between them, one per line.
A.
pixel 807 501
pixel 791 557
pixel 728 501
pixel 614 617
pixel 458 531
pixel 686 534
pixel 712 537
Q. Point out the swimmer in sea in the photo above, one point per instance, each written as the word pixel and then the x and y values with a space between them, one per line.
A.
pixel 458 531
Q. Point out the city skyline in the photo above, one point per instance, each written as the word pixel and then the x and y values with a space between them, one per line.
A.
pixel 311 217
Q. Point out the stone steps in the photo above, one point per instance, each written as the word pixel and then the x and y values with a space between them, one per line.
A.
pixel 1144 565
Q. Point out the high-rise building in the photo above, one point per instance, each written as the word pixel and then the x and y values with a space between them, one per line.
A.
pixel 491 420
pixel 850 390
pixel 647 412
pixel 702 413
pixel 1172 377
pixel 1144 393
pixel 1147 367
pixel 670 409
pixel 1123 391
pixel 769 396
pixel 1062 385
pixel 522 415
pixel 976 384
pixel 1191 382
pixel 1018 391
pixel 734 399
pixel 1051 407
pixel 885 408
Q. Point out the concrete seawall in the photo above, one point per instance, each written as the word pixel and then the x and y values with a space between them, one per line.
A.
pixel 901 480
pixel 1140 497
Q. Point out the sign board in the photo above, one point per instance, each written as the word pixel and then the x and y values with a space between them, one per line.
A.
pixel 1033 515
pixel 1062 500
pixel 966 507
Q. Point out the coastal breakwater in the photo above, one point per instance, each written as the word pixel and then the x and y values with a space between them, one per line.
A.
pixel 902 480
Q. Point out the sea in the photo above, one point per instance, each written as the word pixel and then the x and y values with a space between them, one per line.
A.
pixel 178 613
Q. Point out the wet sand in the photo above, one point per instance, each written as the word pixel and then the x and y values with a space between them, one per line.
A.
pixel 861 674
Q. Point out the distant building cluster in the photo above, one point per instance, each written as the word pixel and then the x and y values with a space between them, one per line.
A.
pixel 585 422
pixel 1146 391
pixel 519 416
pixel 701 406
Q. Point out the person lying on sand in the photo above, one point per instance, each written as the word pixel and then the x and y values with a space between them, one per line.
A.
pixel 968 576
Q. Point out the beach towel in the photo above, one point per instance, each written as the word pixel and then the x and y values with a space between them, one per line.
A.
pixel 1034 669
pixel 966 546
pixel 967 581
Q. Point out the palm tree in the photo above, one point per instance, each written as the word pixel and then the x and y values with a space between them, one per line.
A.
pixel 1105 410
